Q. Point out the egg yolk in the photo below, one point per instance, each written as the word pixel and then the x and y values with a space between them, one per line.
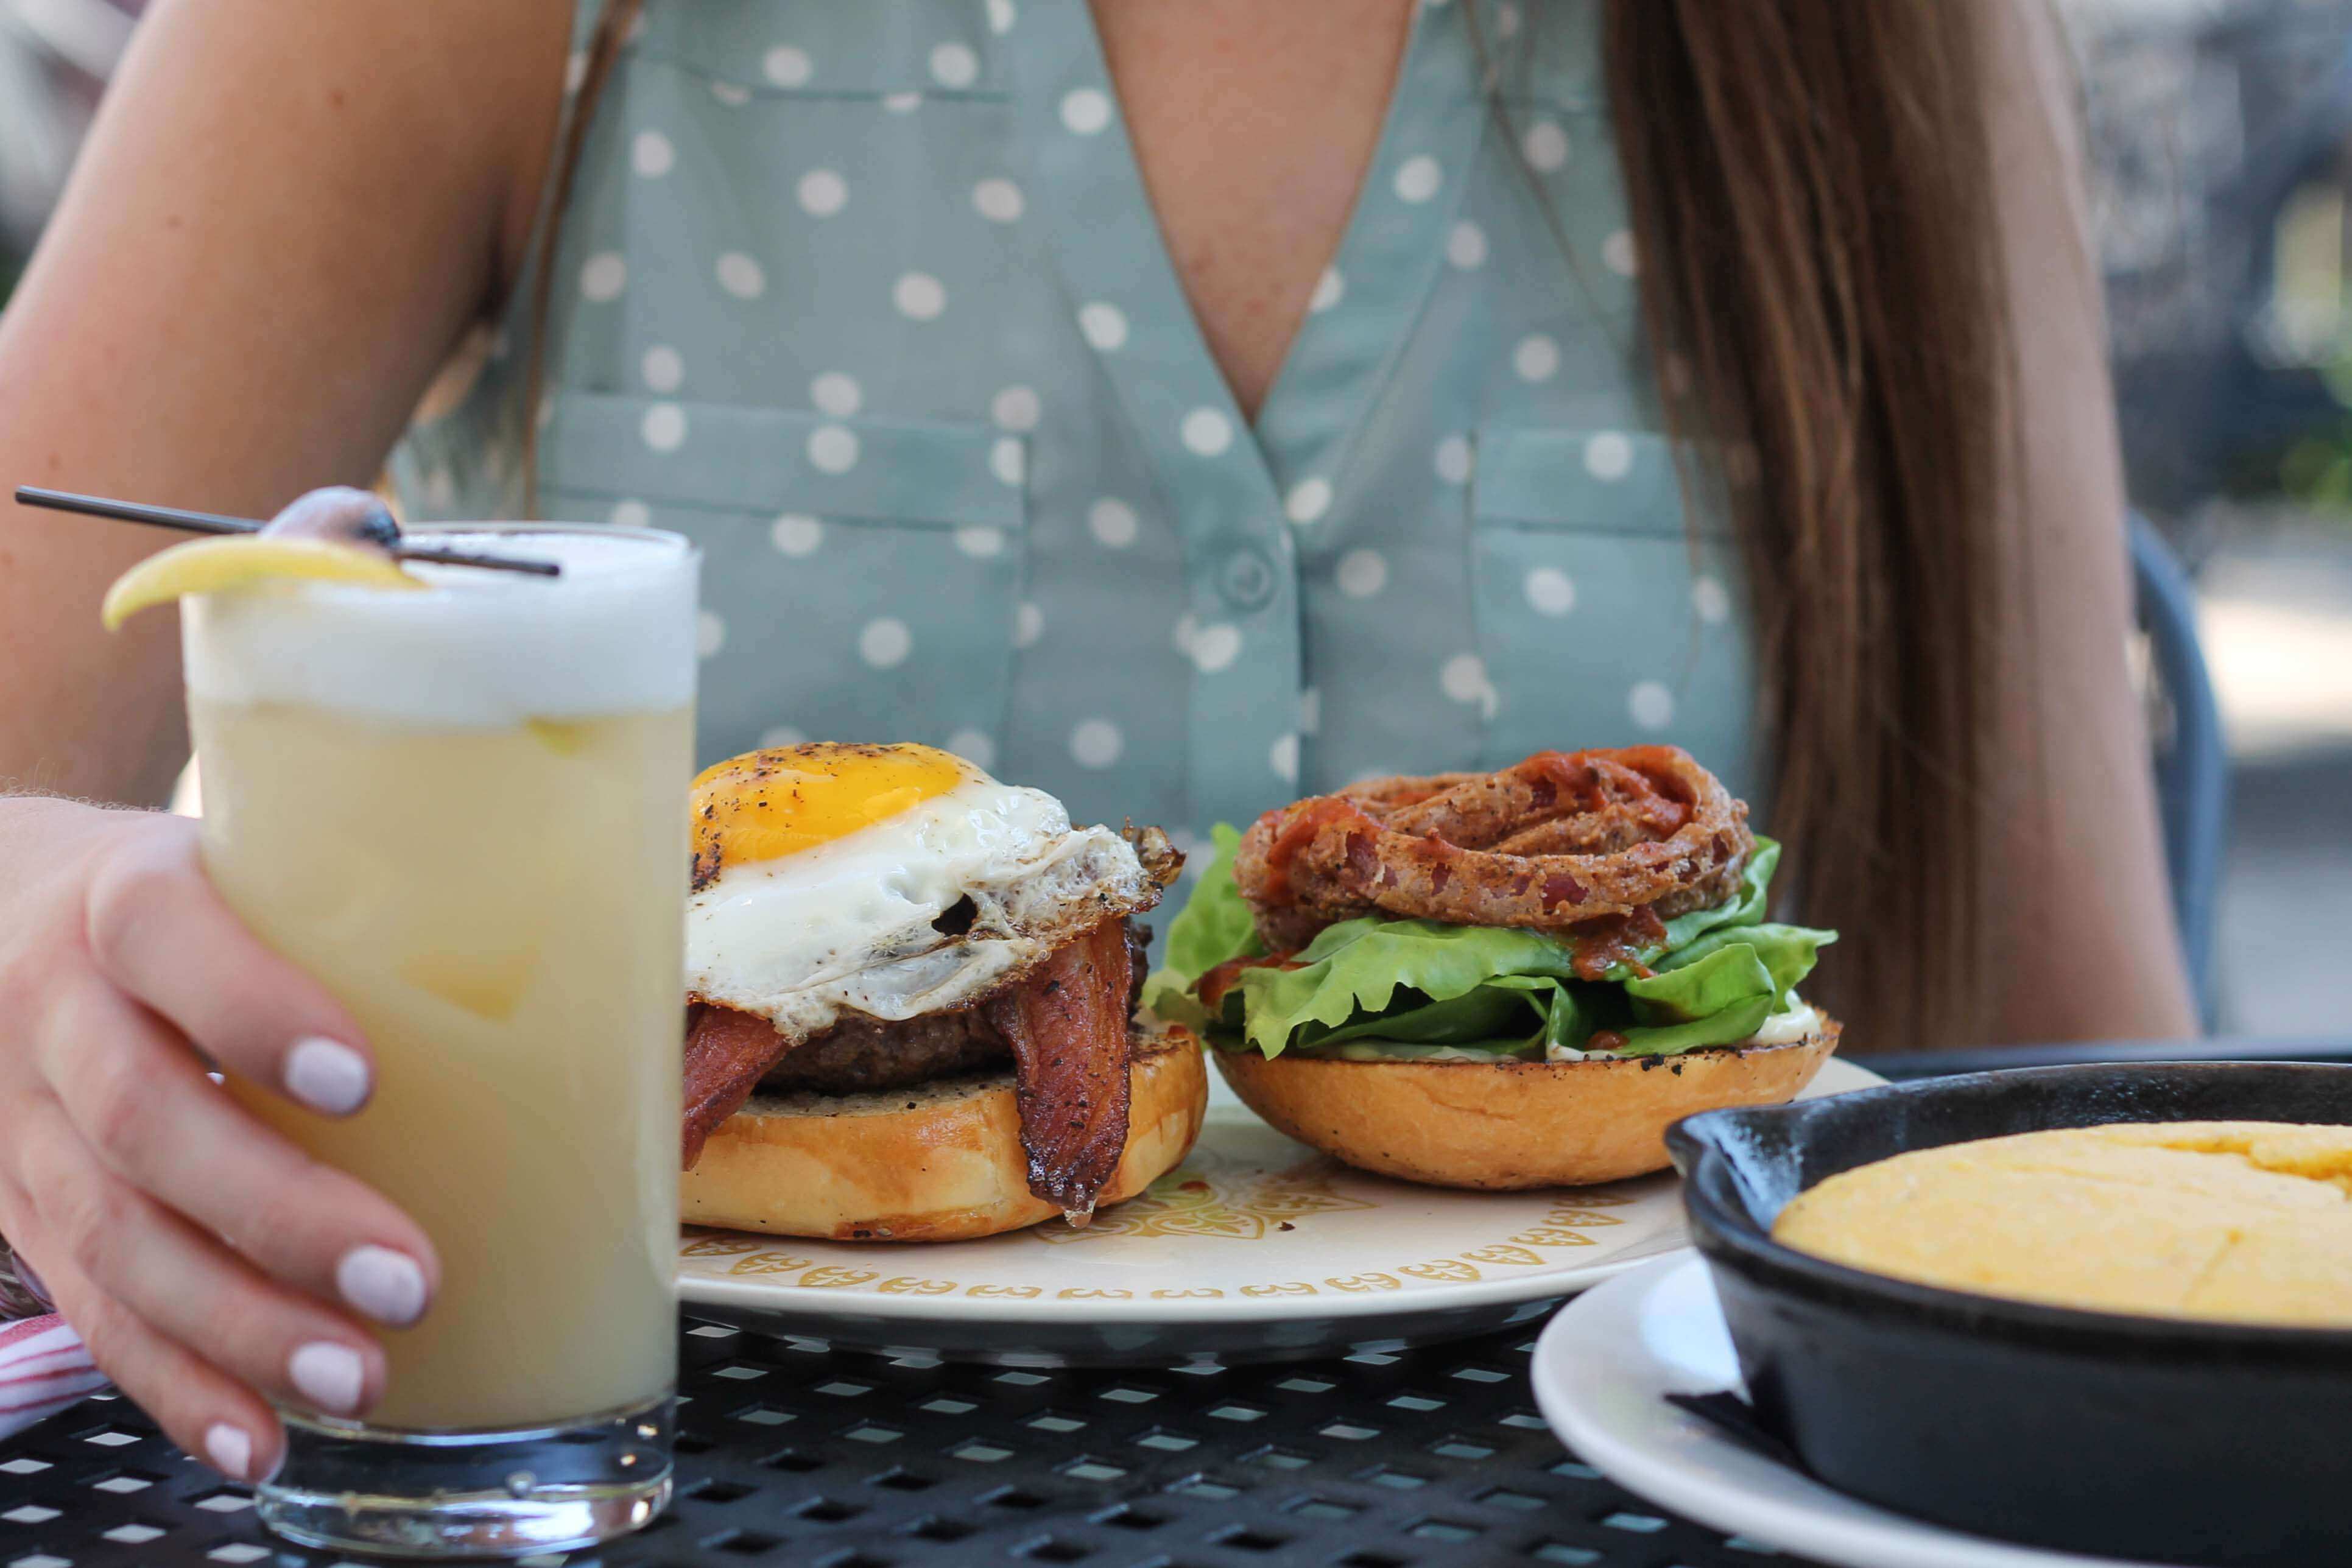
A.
pixel 764 805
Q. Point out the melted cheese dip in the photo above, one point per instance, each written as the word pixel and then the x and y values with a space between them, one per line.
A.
pixel 2246 1221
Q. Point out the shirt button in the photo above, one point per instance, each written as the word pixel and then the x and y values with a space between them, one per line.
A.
pixel 1247 579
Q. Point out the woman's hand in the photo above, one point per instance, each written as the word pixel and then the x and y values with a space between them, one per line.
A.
pixel 210 1266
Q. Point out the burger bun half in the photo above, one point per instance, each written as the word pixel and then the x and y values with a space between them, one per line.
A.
pixel 938 1162
pixel 1509 1124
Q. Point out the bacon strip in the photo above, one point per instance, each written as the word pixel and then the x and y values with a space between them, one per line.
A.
pixel 1067 1024
pixel 727 1054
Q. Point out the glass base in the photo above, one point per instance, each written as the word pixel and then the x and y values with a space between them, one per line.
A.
pixel 345 1485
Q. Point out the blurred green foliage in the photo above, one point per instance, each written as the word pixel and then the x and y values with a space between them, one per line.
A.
pixel 2317 469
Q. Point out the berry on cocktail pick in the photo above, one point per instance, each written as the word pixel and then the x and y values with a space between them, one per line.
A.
pixel 339 514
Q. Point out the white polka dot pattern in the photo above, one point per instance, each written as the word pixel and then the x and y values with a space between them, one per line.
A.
pixel 998 200
pixel 741 276
pixel 1096 743
pixel 602 276
pixel 1104 326
pixel 1212 648
pixel 1609 456
pixel 1161 564
pixel 1651 705
pixel 663 367
pixel 709 633
pixel 1207 433
pixel 837 393
pixel 787 67
pixel 1545 146
pixel 651 155
pixel 664 427
pixel 885 643
pixel 954 65
pixel 1536 358
pixel 1462 678
pixel 832 449
pixel 918 296
pixel 823 192
pixel 795 534
pixel 1085 110
pixel 1711 600
pixel 1362 573
pixel 1419 178
pixel 1112 522
pixel 1015 409
pixel 1465 245
pixel 976 746
pixel 1551 592
pixel 1309 500
pixel 783 735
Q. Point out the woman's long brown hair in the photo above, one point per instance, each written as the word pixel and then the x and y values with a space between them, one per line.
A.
pixel 1811 191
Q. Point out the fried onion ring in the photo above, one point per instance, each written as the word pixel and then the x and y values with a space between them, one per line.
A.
pixel 1578 845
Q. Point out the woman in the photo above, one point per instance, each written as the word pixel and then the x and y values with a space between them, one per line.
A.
pixel 1178 407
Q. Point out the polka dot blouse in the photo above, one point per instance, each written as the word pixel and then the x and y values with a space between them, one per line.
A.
pixel 869 301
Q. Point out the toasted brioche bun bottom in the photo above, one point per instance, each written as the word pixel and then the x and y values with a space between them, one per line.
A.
pixel 939 1162
pixel 1509 1124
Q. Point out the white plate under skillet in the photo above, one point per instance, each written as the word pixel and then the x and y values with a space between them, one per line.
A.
pixel 1603 1371
pixel 1254 1249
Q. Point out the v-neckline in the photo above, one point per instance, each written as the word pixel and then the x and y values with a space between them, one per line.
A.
pixel 1320 293
pixel 1368 295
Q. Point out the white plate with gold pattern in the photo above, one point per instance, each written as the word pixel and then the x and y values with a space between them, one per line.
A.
pixel 1254 1249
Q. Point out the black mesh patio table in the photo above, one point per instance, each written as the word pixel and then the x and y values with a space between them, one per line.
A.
pixel 793 1452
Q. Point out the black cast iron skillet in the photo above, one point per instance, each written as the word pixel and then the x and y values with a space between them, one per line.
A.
pixel 2132 1437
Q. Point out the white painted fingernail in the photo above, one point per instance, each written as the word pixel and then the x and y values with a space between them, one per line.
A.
pixel 327 1075
pixel 386 1285
pixel 230 1451
pixel 330 1376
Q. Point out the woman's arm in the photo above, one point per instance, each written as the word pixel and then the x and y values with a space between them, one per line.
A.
pixel 284 220
pixel 2083 943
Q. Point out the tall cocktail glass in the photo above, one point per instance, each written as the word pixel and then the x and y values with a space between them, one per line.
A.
pixel 463 811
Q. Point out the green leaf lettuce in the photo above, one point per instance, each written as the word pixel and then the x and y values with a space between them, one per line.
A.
pixel 1384 988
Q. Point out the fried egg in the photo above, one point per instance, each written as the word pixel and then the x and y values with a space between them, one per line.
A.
pixel 892 881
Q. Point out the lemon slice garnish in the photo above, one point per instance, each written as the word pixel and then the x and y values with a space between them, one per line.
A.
pixel 219 565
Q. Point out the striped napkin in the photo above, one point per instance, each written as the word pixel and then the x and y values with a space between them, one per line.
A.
pixel 42 1367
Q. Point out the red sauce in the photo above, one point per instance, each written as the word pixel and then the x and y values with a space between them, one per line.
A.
pixel 1605 1040
pixel 1305 819
pixel 1605 944
pixel 1211 986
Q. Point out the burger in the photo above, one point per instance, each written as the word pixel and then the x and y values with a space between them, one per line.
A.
pixel 911 998
pixel 1507 979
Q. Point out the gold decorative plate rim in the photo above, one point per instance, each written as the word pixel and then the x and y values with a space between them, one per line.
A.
pixel 1538 1246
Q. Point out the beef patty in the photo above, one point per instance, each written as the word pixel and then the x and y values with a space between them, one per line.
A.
pixel 861 1055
